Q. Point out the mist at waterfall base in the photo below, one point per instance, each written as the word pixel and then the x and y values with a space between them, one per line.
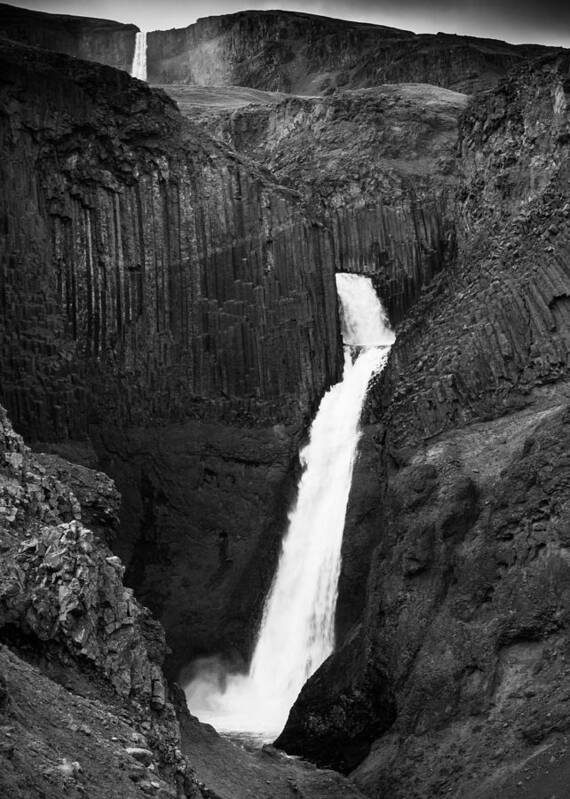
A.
pixel 297 629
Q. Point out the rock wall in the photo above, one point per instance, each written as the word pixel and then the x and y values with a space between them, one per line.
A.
pixel 380 163
pixel 86 640
pixel 456 671
pixel 306 54
pixel 102 40
pixel 154 281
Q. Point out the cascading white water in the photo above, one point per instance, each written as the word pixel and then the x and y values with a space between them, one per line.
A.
pixel 297 629
pixel 139 60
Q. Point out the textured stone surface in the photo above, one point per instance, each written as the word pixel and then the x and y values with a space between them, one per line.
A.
pixel 381 164
pixel 183 487
pixel 100 40
pixel 155 267
pixel 154 278
pixel 455 677
pixel 61 587
pixel 64 608
pixel 466 621
pixel 306 54
pixel 84 705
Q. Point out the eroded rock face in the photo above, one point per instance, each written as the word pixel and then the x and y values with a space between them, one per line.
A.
pixel 164 263
pixel 204 508
pixel 155 282
pixel 63 588
pixel 64 607
pixel 85 708
pixel 466 619
pixel 306 54
pixel 102 40
pixel 381 164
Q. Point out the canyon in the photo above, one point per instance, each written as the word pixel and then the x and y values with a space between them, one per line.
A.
pixel 169 318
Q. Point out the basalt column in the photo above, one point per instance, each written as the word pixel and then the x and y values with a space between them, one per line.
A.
pixel 172 304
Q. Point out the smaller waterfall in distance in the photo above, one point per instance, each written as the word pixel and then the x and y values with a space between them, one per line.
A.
pixel 139 60
pixel 297 630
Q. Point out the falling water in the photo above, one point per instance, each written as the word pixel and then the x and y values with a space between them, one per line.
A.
pixel 139 60
pixel 297 629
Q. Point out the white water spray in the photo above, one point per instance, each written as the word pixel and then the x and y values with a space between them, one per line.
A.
pixel 139 60
pixel 297 629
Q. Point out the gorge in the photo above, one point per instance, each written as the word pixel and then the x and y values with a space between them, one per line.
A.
pixel 169 327
pixel 299 611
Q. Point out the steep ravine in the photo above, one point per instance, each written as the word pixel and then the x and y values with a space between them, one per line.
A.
pixel 171 303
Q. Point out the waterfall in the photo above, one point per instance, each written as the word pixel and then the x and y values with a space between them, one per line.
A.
pixel 139 60
pixel 297 629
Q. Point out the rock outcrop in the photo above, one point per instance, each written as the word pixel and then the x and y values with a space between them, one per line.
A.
pixel 84 705
pixel 63 607
pixel 154 281
pixel 460 659
pixel 306 54
pixel 380 164
pixel 111 43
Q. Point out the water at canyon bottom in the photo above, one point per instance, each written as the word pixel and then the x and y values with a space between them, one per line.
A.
pixel 297 629
pixel 139 61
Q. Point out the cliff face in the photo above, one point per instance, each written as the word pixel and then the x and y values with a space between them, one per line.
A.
pixel 380 164
pixel 75 645
pixel 102 40
pixel 305 54
pixel 152 279
pixel 460 661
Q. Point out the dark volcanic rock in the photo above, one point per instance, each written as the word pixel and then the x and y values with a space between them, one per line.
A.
pixel 101 40
pixel 469 593
pixel 161 264
pixel 350 709
pixel 306 54
pixel 185 488
pixel 62 588
pixel 95 654
pixel 381 164
pixel 96 493
pixel 154 282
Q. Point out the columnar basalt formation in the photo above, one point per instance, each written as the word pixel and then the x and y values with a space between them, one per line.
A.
pixel 465 633
pixel 111 43
pixel 172 300
pixel 380 163
pixel 306 54
pixel 153 278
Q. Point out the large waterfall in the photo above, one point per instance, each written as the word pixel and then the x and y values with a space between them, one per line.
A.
pixel 139 61
pixel 297 629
